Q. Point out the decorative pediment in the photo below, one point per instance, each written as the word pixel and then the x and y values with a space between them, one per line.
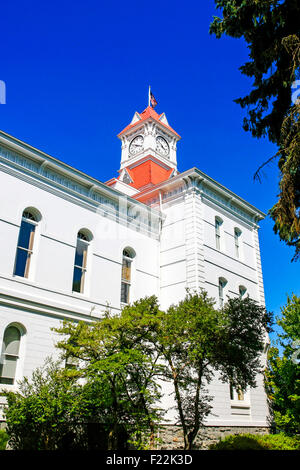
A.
pixel 163 119
pixel 125 177
pixel 135 118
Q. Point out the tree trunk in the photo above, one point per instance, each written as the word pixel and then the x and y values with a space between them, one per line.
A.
pixel 112 438
pixel 152 435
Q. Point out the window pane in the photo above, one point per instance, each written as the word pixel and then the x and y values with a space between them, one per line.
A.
pixel 221 290
pixel 8 367
pixel 12 340
pixel 5 381
pixel 126 269
pixel 125 293
pixel 26 235
pixel 78 279
pixel 80 255
pixel 22 262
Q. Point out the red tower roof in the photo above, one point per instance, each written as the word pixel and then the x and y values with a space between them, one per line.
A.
pixel 149 112
pixel 148 172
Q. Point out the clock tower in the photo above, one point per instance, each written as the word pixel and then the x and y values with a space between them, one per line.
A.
pixel 148 151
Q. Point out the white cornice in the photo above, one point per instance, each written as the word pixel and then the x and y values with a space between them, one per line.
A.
pixel 44 161
pixel 40 169
pixel 197 180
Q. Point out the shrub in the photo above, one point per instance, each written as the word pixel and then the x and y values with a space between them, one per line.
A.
pixel 3 439
pixel 258 442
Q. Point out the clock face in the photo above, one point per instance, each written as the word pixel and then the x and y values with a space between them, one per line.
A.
pixel 136 145
pixel 162 146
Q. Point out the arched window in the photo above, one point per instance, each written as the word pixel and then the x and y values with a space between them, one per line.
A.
pixel 80 263
pixel 242 292
pixel 29 222
pixel 10 355
pixel 222 284
pixel 218 223
pixel 237 234
pixel 128 255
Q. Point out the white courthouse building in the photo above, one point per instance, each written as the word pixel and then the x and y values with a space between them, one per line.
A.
pixel 71 245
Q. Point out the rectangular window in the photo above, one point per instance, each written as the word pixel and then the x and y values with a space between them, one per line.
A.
pixel 126 279
pixel 221 293
pixel 218 224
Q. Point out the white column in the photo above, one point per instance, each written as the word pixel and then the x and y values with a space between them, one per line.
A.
pixel 195 274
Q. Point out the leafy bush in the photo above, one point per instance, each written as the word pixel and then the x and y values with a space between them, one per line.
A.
pixel 258 442
pixel 3 439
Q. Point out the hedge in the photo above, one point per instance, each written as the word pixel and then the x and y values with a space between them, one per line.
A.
pixel 3 439
pixel 258 442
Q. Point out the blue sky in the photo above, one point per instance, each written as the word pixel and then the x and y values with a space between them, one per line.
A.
pixel 76 72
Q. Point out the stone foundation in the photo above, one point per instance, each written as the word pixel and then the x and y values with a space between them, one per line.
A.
pixel 171 437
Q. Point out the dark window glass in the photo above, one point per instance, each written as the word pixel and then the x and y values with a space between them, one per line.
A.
pixel 78 279
pixel 81 252
pixel 125 292
pixel 21 262
pixel 24 248
pixel 26 233
pixel 80 263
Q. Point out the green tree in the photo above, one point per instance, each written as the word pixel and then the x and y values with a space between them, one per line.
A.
pixel 272 33
pixel 283 372
pixel 117 359
pixel 198 340
pixel 43 414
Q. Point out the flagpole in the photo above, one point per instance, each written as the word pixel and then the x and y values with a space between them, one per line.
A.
pixel 149 97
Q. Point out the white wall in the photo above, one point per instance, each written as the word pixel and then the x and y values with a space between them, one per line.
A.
pixel 55 242
pixel 159 268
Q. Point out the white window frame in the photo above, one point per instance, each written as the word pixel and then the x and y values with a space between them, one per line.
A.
pixel 85 239
pixel 32 219
pixel 237 242
pixel 19 356
pixel 218 233
pixel 129 258
pixel 222 282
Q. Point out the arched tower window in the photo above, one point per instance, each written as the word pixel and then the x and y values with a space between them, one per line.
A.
pixel 128 255
pixel 30 219
pixel 80 263
pixel 10 355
